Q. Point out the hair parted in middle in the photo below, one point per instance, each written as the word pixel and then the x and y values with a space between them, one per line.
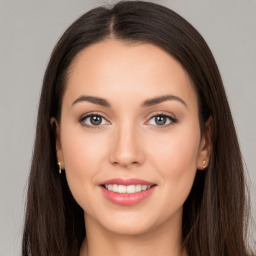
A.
pixel 213 215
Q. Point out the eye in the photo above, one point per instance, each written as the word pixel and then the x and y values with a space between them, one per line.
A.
pixel 161 120
pixel 93 120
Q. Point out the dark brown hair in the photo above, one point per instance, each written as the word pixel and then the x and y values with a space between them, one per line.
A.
pixel 214 216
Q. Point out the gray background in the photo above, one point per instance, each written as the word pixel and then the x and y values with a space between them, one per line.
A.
pixel 29 31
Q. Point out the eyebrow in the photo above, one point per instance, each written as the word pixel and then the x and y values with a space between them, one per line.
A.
pixel 92 99
pixel 146 103
pixel 160 99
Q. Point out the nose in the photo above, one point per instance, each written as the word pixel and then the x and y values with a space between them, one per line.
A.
pixel 127 148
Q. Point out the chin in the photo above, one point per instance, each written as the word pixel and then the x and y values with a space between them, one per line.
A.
pixel 128 228
pixel 131 223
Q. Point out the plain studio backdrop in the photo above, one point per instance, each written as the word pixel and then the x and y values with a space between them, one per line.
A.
pixel 28 33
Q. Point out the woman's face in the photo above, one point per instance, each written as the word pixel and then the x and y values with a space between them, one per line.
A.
pixel 129 136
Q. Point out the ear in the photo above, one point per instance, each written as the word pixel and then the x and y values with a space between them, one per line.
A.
pixel 56 129
pixel 205 147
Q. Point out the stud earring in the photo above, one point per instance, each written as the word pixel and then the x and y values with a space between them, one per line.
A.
pixel 204 164
pixel 59 164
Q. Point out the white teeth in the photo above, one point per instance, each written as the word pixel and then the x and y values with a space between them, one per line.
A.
pixel 138 188
pixel 126 189
pixel 115 187
pixel 130 189
pixel 121 189
pixel 144 187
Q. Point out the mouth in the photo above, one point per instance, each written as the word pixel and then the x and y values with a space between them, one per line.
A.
pixel 130 189
pixel 127 192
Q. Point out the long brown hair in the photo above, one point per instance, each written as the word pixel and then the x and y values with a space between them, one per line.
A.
pixel 214 216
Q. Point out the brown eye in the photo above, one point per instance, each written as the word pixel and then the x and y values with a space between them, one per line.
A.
pixel 162 120
pixel 93 120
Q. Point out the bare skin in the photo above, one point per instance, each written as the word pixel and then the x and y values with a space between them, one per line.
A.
pixel 159 142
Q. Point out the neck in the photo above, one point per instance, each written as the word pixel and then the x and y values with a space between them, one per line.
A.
pixel 165 241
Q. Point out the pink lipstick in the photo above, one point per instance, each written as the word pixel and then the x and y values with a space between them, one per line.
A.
pixel 127 192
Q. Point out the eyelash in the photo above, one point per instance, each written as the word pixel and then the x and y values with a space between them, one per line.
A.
pixel 83 118
pixel 172 120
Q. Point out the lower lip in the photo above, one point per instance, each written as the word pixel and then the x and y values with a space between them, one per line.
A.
pixel 127 199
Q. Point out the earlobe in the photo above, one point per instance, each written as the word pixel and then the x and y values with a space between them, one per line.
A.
pixel 205 148
pixel 56 130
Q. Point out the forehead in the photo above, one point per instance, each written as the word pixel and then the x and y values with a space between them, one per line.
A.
pixel 129 69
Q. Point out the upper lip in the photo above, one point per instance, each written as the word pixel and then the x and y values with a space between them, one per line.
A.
pixel 127 182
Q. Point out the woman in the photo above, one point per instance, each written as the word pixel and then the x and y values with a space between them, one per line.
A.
pixel 136 151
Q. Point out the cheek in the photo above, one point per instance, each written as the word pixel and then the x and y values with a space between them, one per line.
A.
pixel 80 154
pixel 83 155
pixel 176 150
pixel 175 159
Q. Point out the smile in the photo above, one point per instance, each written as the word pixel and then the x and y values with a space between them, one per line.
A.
pixel 122 189
pixel 127 192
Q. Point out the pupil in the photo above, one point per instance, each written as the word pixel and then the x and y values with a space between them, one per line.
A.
pixel 95 120
pixel 160 120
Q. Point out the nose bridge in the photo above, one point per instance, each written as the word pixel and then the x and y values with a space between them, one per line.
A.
pixel 126 147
